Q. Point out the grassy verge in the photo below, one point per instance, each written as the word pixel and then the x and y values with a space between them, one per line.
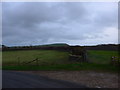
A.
pixel 74 67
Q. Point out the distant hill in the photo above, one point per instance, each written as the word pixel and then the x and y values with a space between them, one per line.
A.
pixel 110 47
pixel 63 46
pixel 55 45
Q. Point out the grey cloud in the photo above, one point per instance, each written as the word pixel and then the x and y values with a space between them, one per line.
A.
pixel 40 23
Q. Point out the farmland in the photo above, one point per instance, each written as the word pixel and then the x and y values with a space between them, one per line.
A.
pixel 100 56
pixel 57 60
pixel 45 57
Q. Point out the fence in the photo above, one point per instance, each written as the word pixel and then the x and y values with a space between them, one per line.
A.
pixel 24 63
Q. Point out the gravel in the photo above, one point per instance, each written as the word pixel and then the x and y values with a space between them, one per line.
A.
pixel 92 79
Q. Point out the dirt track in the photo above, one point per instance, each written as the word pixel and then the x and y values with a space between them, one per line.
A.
pixel 89 78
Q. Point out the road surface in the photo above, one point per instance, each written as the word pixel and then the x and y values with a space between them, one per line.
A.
pixel 14 79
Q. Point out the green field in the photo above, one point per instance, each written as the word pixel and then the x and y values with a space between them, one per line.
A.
pixel 100 56
pixel 57 60
pixel 45 57
pixel 0 59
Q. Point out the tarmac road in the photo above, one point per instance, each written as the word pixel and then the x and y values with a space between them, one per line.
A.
pixel 14 79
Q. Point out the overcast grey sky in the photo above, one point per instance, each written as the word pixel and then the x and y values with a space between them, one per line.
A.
pixel 74 23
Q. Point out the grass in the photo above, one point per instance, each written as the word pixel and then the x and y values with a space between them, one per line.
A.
pixel 44 56
pixel 73 67
pixel 0 59
pixel 100 56
pixel 57 60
